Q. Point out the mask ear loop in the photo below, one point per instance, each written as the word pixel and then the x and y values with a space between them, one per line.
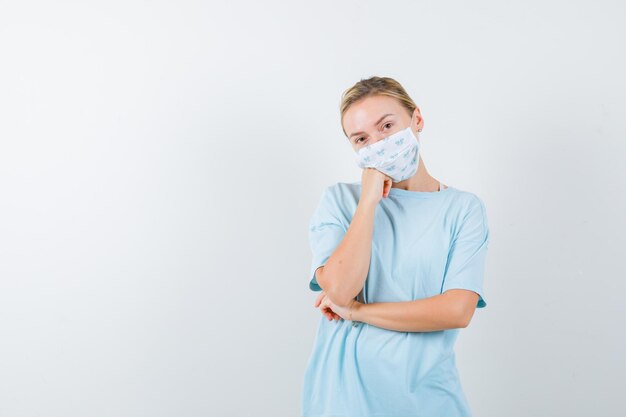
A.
pixel 419 145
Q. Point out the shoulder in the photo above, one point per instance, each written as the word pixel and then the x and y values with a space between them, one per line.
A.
pixel 470 216
pixel 345 187
pixel 332 197
pixel 339 200
pixel 342 191
pixel 467 201
pixel 468 212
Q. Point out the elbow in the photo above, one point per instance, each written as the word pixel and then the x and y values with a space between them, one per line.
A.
pixel 338 295
pixel 460 307
pixel 463 322
pixel 341 298
pixel 464 318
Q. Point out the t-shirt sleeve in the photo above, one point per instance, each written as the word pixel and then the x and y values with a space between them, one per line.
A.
pixel 326 231
pixel 465 267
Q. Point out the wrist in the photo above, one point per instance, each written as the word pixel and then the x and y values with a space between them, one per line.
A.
pixel 366 205
pixel 356 311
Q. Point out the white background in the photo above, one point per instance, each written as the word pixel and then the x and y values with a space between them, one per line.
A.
pixel 159 163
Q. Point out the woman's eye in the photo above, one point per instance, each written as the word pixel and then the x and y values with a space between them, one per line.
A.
pixel 388 124
pixel 357 141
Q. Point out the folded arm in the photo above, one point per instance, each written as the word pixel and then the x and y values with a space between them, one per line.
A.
pixel 452 309
pixel 345 271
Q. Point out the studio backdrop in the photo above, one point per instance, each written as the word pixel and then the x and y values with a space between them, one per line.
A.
pixel 160 163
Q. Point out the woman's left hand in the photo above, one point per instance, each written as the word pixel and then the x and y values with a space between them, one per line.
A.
pixel 324 303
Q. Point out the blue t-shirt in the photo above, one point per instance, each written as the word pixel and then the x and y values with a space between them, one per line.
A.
pixel 423 244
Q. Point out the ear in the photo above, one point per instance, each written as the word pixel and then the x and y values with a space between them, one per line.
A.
pixel 417 115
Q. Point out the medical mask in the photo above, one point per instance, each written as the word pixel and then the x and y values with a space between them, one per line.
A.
pixel 396 155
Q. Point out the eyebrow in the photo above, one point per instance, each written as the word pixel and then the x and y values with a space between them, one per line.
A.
pixel 379 120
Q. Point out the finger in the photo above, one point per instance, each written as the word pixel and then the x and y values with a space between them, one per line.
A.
pixel 332 314
pixel 387 187
pixel 319 299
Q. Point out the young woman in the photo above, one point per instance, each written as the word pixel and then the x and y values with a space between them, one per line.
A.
pixel 399 260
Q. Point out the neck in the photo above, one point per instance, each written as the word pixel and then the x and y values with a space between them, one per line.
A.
pixel 421 181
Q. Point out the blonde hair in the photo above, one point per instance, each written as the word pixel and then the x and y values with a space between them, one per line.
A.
pixel 383 86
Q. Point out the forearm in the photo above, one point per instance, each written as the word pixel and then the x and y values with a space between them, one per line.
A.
pixel 422 315
pixel 344 273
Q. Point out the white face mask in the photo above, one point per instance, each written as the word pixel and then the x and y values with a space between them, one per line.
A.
pixel 396 155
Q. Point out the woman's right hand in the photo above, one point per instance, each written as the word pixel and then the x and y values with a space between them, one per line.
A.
pixel 374 185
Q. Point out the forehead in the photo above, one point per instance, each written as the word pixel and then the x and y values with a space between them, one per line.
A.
pixel 362 115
